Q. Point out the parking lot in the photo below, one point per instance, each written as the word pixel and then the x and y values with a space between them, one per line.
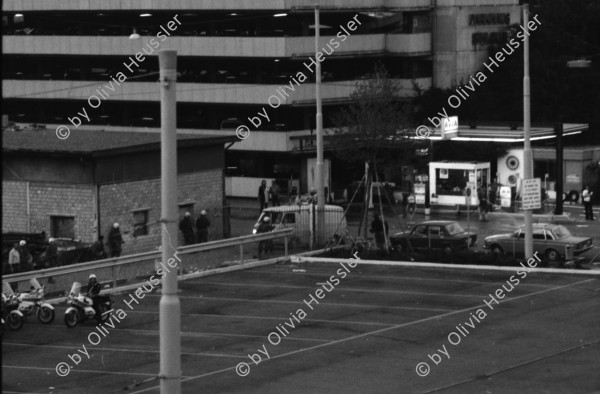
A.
pixel 374 331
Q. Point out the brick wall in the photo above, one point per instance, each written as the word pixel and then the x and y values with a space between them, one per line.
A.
pixel 46 200
pixel 14 206
pixel 118 201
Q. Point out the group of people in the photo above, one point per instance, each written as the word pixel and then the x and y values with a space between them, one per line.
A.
pixel 186 225
pixel 270 195
pixel 20 258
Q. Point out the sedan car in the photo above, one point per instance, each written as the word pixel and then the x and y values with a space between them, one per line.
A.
pixel 439 234
pixel 549 239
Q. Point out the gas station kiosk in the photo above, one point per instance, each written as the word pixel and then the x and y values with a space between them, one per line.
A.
pixel 450 181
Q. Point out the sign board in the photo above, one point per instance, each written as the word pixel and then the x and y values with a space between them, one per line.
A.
pixel 420 188
pixel 420 198
pixel 574 178
pixel 532 193
pixel 505 196
pixel 472 177
pixel 449 125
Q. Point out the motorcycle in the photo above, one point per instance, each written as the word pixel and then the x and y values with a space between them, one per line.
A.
pixel 33 303
pixel 80 307
pixel 10 308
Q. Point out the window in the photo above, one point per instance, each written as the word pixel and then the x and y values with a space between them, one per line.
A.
pixel 420 230
pixel 276 217
pixel 140 223
pixel 434 230
pixel 454 229
pixel 539 234
pixel 289 218
pixel 451 182
pixel 549 235
pixel 561 232
pixel 186 208
pixel 62 226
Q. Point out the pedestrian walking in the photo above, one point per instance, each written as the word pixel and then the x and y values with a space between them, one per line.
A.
pixel 202 225
pixel 187 228
pixel 115 240
pixel 98 249
pixel 262 195
pixel 586 196
pixel 14 259
pixel 265 227
pixel 377 228
pixel 274 194
pixel 483 203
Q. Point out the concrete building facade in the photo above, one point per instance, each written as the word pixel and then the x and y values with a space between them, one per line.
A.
pixel 240 63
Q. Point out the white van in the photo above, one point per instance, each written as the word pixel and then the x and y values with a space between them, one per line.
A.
pixel 298 217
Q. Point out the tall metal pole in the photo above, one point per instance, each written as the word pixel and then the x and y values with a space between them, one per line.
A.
pixel 170 309
pixel 527 155
pixel 319 120
pixel 558 129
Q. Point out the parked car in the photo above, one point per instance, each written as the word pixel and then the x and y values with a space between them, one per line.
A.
pixel 549 239
pixel 436 234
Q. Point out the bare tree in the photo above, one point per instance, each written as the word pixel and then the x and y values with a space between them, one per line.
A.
pixel 376 128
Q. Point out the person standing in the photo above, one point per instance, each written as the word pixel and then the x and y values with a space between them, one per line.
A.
pixel 264 227
pixel 262 198
pixel 115 240
pixel 586 196
pixel 377 228
pixel 51 254
pixel 202 225
pixel 14 259
pixel 483 203
pixel 26 257
pixel 274 194
pixel 187 228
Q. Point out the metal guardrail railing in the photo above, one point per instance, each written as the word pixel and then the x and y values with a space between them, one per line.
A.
pixel 137 266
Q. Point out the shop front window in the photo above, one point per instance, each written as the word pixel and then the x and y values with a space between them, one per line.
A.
pixel 451 182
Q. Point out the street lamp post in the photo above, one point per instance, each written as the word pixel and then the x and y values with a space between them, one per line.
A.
pixel 527 155
pixel 558 129
pixel 319 120
pixel 169 306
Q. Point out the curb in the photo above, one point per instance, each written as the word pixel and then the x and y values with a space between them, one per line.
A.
pixel 302 259
pixel 564 218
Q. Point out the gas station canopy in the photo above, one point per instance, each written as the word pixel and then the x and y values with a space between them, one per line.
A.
pixel 504 133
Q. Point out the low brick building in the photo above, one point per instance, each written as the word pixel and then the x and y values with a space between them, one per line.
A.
pixel 78 187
